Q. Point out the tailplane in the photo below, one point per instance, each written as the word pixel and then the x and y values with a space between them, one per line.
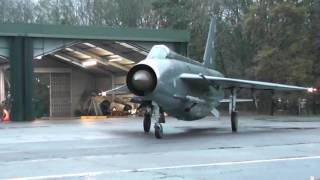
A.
pixel 209 54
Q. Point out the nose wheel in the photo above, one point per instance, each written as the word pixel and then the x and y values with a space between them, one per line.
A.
pixel 159 118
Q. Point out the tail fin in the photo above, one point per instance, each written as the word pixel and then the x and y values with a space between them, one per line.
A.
pixel 208 57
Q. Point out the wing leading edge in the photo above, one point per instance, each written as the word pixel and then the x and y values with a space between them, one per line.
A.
pixel 118 90
pixel 240 83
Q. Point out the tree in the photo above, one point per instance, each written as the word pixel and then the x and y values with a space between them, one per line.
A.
pixel 278 33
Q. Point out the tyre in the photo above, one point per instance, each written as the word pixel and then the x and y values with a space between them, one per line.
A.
pixel 158 130
pixel 147 123
pixel 234 121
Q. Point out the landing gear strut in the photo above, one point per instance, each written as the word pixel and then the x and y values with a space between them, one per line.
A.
pixel 234 113
pixel 147 122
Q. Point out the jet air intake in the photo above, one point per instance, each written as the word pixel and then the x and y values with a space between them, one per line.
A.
pixel 141 80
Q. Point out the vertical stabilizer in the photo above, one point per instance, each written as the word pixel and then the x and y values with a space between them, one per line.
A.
pixel 208 57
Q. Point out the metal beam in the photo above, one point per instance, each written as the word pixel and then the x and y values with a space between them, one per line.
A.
pixel 94 33
pixel 112 49
pixel 101 60
pixel 68 59
pixel 74 61
pixel 45 46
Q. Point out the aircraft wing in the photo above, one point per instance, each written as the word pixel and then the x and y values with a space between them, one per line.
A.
pixel 240 83
pixel 124 90
pixel 238 100
pixel 118 90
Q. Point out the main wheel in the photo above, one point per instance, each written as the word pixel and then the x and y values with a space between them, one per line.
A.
pixel 147 123
pixel 234 121
pixel 158 132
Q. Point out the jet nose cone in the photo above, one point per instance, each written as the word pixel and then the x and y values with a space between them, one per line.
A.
pixel 142 80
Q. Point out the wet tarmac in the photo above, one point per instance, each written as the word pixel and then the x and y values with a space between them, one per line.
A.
pixel 265 147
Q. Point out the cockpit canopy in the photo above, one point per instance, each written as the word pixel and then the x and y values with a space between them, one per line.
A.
pixel 158 52
pixel 163 52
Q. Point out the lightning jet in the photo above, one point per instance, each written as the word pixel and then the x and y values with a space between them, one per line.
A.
pixel 187 89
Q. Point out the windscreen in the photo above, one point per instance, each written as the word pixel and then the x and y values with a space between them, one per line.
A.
pixel 158 52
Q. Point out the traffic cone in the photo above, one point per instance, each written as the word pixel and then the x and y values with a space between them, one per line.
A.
pixel 6 116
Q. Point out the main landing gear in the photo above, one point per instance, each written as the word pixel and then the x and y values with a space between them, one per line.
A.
pixel 147 122
pixel 234 112
pixel 153 111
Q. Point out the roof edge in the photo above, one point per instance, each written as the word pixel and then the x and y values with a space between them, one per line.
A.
pixel 94 32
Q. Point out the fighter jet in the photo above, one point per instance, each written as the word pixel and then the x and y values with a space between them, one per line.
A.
pixel 187 89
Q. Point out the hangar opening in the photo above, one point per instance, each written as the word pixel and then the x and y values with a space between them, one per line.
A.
pixel 57 69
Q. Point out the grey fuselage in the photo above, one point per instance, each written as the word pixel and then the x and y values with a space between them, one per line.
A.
pixel 169 86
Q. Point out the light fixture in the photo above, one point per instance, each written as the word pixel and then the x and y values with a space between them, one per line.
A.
pixel 115 59
pixel 132 47
pixel 89 63
pixel 77 52
pixel 68 60
pixel 69 49
pixel 104 52
pixel 63 58
pixel 88 44
pixel 38 57
pixel 129 61
pixel 114 56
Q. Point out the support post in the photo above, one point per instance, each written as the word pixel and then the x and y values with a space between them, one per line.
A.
pixel 21 80
pixel 16 48
pixel 28 78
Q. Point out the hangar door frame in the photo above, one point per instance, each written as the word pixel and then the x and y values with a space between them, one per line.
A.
pixel 20 38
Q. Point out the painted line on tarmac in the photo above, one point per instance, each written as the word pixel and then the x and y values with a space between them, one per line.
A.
pixel 229 163
pixel 7 152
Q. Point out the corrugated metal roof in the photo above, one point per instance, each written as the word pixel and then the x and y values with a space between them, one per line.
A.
pixel 111 56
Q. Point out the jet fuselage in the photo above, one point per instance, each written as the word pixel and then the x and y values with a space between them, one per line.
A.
pixel 170 92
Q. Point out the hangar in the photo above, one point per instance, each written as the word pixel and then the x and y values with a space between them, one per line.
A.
pixel 58 64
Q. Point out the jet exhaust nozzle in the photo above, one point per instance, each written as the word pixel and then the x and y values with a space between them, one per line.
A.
pixel 141 80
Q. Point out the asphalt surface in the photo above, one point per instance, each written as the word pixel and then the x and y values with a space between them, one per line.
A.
pixel 116 148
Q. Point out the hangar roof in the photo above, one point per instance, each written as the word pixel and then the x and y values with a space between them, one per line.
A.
pixel 94 32
pixel 114 50
pixel 108 56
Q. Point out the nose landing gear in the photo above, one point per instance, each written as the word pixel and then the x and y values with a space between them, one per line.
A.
pixel 153 111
